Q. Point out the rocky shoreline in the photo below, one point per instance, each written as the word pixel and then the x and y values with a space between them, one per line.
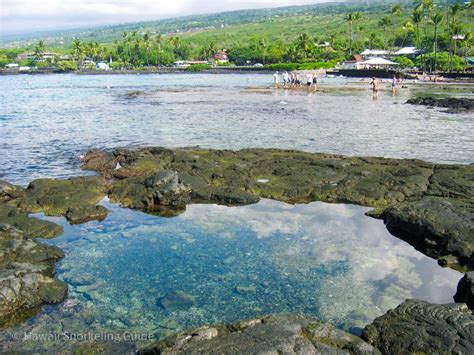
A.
pixel 431 206
pixel 454 105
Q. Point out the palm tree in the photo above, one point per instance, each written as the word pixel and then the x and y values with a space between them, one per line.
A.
pixel 458 34
pixel 436 20
pixel 208 50
pixel 385 22
pixel 292 54
pixel 396 11
pixel 407 28
pixel 78 50
pixel 146 46
pixel 262 44
pixel 372 38
pixel 465 42
pixel 454 11
pixel 417 19
pixel 304 44
pixel 470 8
pixel 39 50
pixel 351 18
pixel 158 41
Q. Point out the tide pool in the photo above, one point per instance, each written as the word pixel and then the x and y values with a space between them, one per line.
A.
pixel 140 274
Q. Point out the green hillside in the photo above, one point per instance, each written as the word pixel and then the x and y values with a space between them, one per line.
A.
pixel 107 34
pixel 281 35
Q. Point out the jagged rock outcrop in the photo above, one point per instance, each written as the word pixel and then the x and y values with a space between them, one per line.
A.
pixel 267 335
pixel 421 327
pixel 465 291
pixel 9 191
pixel 452 103
pixel 26 276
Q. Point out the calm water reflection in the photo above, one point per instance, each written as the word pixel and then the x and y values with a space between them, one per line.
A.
pixel 213 264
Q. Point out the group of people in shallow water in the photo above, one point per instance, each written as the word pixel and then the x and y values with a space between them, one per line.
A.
pixel 375 83
pixel 293 80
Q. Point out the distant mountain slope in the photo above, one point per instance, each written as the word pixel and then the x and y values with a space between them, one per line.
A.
pixel 107 34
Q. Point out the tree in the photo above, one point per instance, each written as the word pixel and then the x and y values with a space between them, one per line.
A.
pixel 159 42
pixel 262 44
pixel 436 20
pixel 372 40
pixel 78 51
pixel 407 29
pixel 417 19
pixel 146 46
pixel 385 22
pixel 454 11
pixel 396 11
pixel 304 44
pixel 208 50
pixel 470 8
pixel 465 43
pixel 39 50
pixel 351 18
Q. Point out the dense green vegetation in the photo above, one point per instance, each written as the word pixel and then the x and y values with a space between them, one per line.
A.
pixel 303 37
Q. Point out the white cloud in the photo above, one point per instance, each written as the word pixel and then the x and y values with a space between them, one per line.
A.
pixel 31 15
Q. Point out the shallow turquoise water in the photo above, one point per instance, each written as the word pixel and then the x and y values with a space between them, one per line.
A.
pixel 223 264
pixel 47 121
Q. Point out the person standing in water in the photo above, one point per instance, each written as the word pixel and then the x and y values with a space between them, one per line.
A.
pixel 286 79
pixel 375 87
pixel 315 82
pixel 309 81
pixel 276 79
pixel 393 84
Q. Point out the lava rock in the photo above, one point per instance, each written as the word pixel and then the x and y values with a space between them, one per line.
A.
pixel 26 276
pixel 266 335
pixel 420 327
pixel 454 104
pixel 465 290
pixel 9 191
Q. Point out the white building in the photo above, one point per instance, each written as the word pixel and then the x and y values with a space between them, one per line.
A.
pixel 370 53
pixel 410 51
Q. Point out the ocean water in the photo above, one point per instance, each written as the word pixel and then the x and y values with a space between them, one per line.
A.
pixel 47 121
pixel 139 274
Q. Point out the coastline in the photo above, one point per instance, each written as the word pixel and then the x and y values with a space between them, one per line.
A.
pixel 450 78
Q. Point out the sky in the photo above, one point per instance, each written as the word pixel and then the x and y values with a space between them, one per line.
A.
pixel 26 16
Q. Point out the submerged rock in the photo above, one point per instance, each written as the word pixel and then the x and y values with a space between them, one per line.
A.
pixel 26 276
pixel 267 335
pixel 421 327
pixel 465 291
pixel 428 205
pixel 176 301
